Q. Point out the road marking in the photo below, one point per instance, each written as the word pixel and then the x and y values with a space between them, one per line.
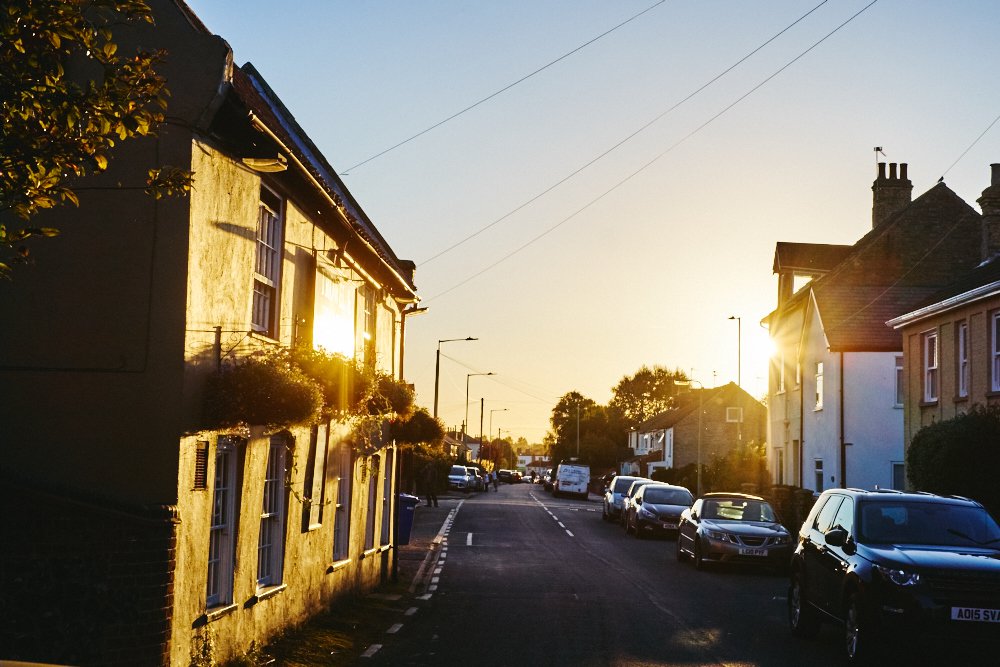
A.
pixel 410 612
pixel 425 596
pixel 561 525
pixel 435 580
pixel 394 629
pixel 372 650
pixel 468 540
pixel 438 570
pixel 570 534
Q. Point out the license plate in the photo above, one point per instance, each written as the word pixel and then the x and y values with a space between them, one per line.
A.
pixel 753 552
pixel 975 614
pixel 670 526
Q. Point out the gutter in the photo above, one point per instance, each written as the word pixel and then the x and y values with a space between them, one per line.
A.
pixel 843 443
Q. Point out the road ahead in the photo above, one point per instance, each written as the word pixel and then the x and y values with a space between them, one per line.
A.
pixel 523 578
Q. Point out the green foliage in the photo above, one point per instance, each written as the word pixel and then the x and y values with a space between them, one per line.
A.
pixel 420 428
pixel 959 456
pixel 743 469
pixel 67 97
pixel 338 377
pixel 645 394
pixel 264 388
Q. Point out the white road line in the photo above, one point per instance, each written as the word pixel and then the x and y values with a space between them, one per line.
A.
pixel 570 534
pixel 468 540
pixel 394 629
pixel 372 650
pixel 561 524
pixel 410 612
pixel 435 580
pixel 437 570
pixel 425 596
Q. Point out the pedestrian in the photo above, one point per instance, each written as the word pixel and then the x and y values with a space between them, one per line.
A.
pixel 496 481
pixel 430 479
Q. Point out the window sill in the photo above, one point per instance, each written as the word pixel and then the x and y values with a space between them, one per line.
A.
pixel 338 565
pixel 214 614
pixel 928 404
pixel 961 399
pixel 265 593
pixel 370 552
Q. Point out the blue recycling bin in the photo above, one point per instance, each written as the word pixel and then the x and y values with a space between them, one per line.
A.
pixel 406 505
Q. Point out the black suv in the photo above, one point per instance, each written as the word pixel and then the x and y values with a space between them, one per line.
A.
pixel 893 567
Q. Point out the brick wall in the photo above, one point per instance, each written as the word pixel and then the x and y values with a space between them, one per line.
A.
pixel 84 582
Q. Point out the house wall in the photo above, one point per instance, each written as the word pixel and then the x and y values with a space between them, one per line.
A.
pixel 873 423
pixel 820 437
pixel 918 413
pixel 784 426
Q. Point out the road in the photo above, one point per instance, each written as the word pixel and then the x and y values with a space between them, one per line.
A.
pixel 523 578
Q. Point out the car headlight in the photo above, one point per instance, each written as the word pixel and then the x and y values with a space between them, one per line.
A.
pixel 783 539
pixel 646 513
pixel 721 536
pixel 898 576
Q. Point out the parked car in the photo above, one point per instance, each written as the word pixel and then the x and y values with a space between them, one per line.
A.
pixel 636 484
pixel 613 492
pixel 458 478
pixel 548 479
pixel 572 479
pixel 733 528
pixel 892 567
pixel 478 481
pixel 506 476
pixel 656 509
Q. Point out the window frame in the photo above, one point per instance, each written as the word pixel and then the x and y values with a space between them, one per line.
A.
pixel 268 246
pixel 930 361
pixel 819 386
pixel 995 351
pixel 900 382
pixel 223 525
pixel 818 475
pixel 271 538
pixel 342 516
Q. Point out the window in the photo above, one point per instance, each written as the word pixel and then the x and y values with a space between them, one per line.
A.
pixel 818 475
pixel 387 497
pixel 342 520
pixel 930 362
pixel 779 477
pixel 898 476
pixel 366 319
pixel 824 520
pixel 781 372
pixel 962 362
pixel 371 510
pixel 900 387
pixel 845 516
pixel 315 477
pixel 995 351
pixel 270 545
pixel 267 268
pixel 222 534
pixel 819 388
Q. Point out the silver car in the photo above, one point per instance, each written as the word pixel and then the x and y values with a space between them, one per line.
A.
pixel 458 478
pixel 733 528
pixel 613 493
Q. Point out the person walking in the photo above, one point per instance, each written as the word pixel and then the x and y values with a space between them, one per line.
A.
pixel 430 479
pixel 496 481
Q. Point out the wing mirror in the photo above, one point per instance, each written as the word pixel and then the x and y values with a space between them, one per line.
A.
pixel 836 537
pixel 638 501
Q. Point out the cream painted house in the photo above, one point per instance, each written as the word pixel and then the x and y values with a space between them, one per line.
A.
pixel 135 536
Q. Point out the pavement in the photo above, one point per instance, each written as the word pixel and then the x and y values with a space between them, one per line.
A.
pixel 416 557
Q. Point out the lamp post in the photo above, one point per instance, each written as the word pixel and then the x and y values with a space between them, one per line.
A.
pixel 690 383
pixel 465 425
pixel 437 368
pixel 739 349
pixel 491 420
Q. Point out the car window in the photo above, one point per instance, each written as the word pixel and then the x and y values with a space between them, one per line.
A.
pixel 636 485
pixel 621 484
pixel 660 496
pixel 829 512
pixel 937 524
pixel 845 516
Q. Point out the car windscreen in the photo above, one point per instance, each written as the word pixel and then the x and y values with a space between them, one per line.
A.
pixel 668 496
pixel 622 484
pixel 738 510
pixel 458 470
pixel 937 524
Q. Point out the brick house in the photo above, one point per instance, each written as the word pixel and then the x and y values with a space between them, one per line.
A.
pixel 951 344
pixel 134 535
pixel 835 416
pixel 730 416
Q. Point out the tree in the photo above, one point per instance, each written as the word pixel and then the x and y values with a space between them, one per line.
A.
pixel 599 431
pixel 67 96
pixel 645 394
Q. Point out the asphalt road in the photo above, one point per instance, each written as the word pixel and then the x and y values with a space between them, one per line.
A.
pixel 522 578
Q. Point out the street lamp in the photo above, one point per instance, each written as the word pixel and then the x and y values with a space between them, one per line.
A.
pixel 437 368
pixel 690 383
pixel 465 425
pixel 739 348
pixel 491 419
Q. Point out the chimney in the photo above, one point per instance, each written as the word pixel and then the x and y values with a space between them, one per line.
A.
pixel 989 202
pixel 891 194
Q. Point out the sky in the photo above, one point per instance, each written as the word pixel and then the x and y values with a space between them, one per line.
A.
pixel 642 257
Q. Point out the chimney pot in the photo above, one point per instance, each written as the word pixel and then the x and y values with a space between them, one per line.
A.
pixel 891 194
pixel 881 171
pixel 892 171
pixel 995 177
pixel 902 171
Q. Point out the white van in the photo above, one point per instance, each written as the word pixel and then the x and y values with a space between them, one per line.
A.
pixel 571 479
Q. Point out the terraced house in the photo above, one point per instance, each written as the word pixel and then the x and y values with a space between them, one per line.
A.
pixel 139 529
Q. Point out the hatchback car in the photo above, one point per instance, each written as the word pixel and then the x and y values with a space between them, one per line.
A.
pixel 893 567
pixel 636 484
pixel 613 492
pixel 656 509
pixel 458 478
pixel 733 528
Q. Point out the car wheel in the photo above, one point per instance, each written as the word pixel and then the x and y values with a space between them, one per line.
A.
pixel 802 617
pixel 699 563
pixel 859 644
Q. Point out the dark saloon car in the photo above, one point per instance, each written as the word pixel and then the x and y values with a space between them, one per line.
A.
pixel 894 567
pixel 656 509
pixel 733 528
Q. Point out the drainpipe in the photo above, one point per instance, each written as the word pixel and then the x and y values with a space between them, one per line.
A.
pixel 843 442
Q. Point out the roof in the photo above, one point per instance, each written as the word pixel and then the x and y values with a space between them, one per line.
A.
pixel 895 266
pixel 268 110
pixel 979 283
pixel 687 403
pixel 809 258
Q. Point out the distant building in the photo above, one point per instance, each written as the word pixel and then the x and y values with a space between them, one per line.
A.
pixel 730 416
pixel 835 398
pixel 951 343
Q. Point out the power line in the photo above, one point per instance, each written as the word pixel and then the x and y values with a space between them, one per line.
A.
pixel 650 162
pixel 502 90
pixel 969 148
pixel 622 142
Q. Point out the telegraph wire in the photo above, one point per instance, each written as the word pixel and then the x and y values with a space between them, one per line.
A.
pixel 650 162
pixel 958 159
pixel 620 143
pixel 502 90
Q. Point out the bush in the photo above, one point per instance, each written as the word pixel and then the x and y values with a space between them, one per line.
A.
pixel 959 456
pixel 263 389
